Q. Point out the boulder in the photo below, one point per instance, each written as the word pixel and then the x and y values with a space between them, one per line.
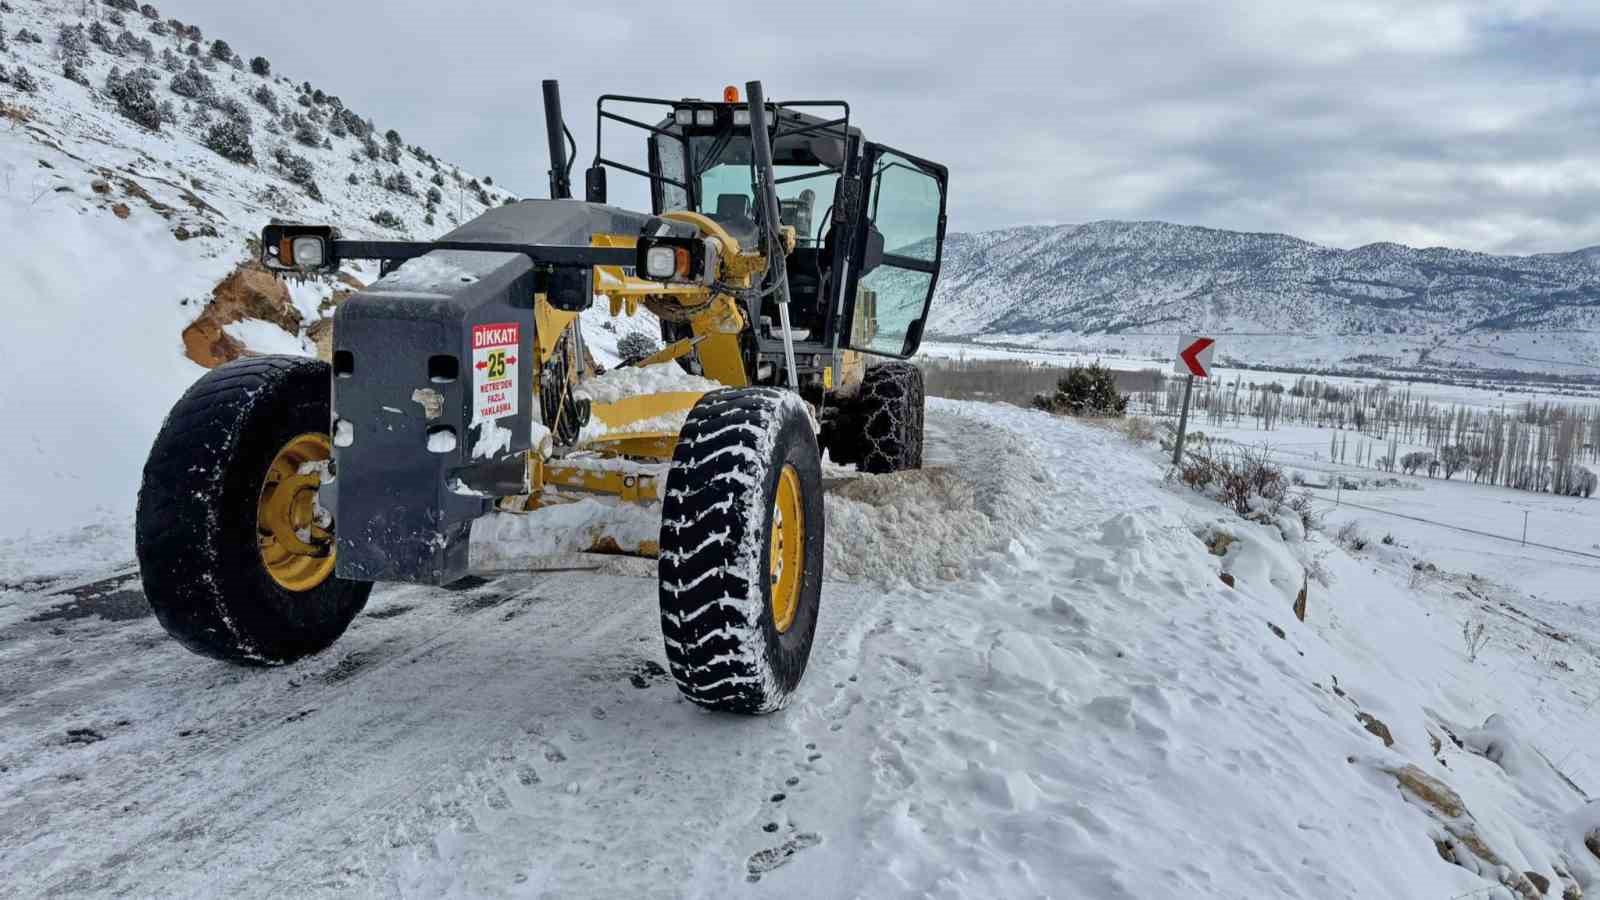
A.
pixel 1460 843
pixel 250 292
pixel 1375 725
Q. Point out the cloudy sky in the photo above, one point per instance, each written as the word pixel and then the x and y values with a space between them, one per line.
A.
pixel 1468 124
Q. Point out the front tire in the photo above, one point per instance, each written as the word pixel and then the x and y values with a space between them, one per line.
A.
pixel 741 550
pixel 235 555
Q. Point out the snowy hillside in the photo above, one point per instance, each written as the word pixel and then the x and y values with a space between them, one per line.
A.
pixel 139 156
pixel 1029 680
pixel 1131 277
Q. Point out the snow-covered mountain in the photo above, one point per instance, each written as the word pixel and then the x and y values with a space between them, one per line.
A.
pixel 139 158
pixel 1118 277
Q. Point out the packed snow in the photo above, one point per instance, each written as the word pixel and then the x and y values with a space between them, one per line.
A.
pixel 631 381
pixel 1043 688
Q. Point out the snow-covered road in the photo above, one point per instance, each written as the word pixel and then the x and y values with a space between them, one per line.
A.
pixel 1062 700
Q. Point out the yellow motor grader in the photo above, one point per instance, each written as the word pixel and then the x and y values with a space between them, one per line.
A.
pixel 781 253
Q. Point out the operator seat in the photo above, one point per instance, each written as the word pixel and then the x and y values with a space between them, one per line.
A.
pixel 733 214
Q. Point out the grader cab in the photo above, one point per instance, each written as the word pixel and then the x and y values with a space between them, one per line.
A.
pixel 781 252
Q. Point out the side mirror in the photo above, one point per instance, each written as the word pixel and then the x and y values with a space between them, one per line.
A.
pixel 594 184
pixel 298 248
pixel 872 253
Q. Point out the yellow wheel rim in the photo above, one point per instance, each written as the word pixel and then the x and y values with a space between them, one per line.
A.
pixel 296 548
pixel 787 553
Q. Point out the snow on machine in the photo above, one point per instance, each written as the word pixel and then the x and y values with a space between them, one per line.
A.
pixel 782 250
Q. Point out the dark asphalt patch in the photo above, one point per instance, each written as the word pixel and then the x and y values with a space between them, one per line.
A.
pixel 113 606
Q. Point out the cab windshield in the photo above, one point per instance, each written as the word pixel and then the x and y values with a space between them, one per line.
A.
pixel 719 172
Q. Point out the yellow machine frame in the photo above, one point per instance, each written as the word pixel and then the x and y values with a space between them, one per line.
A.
pixel 715 323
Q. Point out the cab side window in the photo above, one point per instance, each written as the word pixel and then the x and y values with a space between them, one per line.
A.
pixel 905 206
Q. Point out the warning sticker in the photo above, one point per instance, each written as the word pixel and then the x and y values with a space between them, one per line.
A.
pixel 494 370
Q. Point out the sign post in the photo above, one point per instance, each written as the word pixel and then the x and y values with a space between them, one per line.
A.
pixel 1194 361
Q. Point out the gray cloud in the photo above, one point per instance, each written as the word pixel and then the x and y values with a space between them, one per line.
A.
pixel 1428 122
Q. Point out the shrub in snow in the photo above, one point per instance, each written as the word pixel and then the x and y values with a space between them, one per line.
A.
pixel 428 219
pixel 74 72
pixel 231 141
pixel 193 83
pixel 392 137
pixel 220 50
pixel 300 170
pixel 3 47
pixel 352 179
pixel 193 49
pixel 1351 537
pixel 149 12
pixel 484 198
pixel 371 148
pixel 434 196
pixel 234 109
pixel 387 219
pixel 134 98
pixel 1475 634
pixel 168 112
pixel 100 36
pixel 1245 481
pixel 128 45
pixel 635 346
pixel 170 61
pixel 160 28
pixel 488 180
pixel 237 62
pixel 261 66
pixel 24 36
pixel 264 96
pixel 209 64
pixel 336 126
pixel 397 182
pixel 306 133
pixel 72 43
pixel 438 179
pixel 1084 391
pixel 23 80
pixel 116 19
pixel 391 153
pixel 129 5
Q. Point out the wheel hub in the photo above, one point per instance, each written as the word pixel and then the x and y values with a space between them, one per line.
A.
pixel 788 549
pixel 292 532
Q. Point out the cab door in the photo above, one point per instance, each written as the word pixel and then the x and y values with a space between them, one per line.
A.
pixel 899 246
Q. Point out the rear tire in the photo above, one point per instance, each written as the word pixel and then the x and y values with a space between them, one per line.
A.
pixel 196 529
pixel 879 430
pixel 738 632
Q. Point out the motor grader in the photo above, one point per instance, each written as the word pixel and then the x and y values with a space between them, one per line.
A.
pixel 790 263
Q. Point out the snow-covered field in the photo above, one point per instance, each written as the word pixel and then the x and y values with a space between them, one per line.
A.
pixel 1158 353
pixel 1028 681
pixel 1453 523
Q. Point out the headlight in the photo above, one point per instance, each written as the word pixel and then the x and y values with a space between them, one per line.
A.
pixel 705 117
pixel 741 117
pixel 683 116
pixel 660 262
pixel 307 252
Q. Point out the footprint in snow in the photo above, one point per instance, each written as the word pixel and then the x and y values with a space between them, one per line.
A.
pixel 763 861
